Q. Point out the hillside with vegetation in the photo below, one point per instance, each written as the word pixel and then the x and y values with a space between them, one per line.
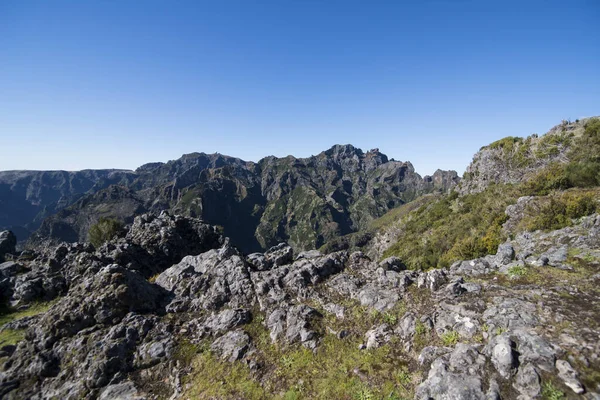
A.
pixel 554 178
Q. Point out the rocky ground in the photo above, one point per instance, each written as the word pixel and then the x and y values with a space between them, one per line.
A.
pixel 172 310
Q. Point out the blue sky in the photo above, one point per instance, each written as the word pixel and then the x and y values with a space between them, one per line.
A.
pixel 99 84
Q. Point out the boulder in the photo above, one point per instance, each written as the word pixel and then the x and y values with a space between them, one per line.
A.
pixel 232 346
pixel 8 243
pixel 569 376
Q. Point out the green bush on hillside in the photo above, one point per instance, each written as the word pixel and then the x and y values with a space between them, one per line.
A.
pixel 448 229
pixel 558 211
pixel 582 171
pixel 104 230
pixel 507 143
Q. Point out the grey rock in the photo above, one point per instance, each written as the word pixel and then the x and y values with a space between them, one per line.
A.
pixel 430 353
pixel 407 326
pixel 392 264
pixel 535 350
pixel 471 287
pixel 153 352
pixel 298 323
pixel 480 266
pixel 510 313
pixel 9 269
pixel 378 336
pixel 569 376
pixel 505 253
pixel 556 256
pixel 293 325
pixel 466 359
pixel 228 319
pixel 232 346
pixel 173 276
pixel 455 288
pixel 121 391
pixel 527 382
pixel 258 261
pixel 501 351
pixel 454 377
pixel 542 261
pixel 493 392
pixel 457 318
pixel 379 299
pixel 433 279
pixel 308 254
pixel 280 255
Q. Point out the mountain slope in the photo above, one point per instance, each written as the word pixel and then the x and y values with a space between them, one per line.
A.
pixel 305 202
pixel 549 180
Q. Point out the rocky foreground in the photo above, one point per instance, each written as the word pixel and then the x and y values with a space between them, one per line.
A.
pixel 131 319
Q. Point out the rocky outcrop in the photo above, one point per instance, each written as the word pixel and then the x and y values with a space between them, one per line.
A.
pixel 125 313
pixel 514 159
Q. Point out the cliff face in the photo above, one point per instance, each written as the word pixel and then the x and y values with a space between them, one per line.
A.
pixel 304 201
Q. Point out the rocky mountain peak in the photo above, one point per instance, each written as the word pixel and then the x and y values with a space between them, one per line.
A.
pixel 515 159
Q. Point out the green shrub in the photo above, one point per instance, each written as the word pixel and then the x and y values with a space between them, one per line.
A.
pixel 551 215
pixel 517 271
pixel 506 143
pixel 467 248
pixel 580 204
pixel 450 338
pixel 551 178
pixel 551 144
pixel 550 392
pixel 104 230
pixel 582 174
pixel 558 211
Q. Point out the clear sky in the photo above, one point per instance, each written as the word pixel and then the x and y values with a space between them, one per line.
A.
pixel 101 84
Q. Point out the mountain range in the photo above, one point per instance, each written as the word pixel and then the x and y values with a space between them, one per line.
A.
pixel 303 201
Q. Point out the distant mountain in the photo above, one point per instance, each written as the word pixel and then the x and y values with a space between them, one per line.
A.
pixel 27 197
pixel 304 201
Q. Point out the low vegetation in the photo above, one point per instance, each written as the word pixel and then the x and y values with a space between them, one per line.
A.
pixel 7 314
pixel 104 230
pixel 450 338
pixel 451 228
pixel 559 210
pixel 551 392
pixel 338 369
